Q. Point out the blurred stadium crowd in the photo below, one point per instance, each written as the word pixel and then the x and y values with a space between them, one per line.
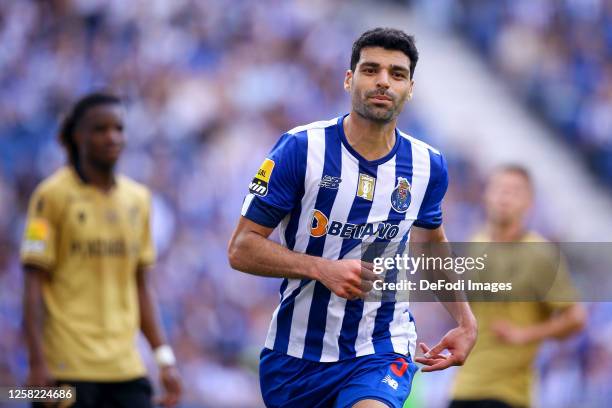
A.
pixel 557 56
pixel 208 89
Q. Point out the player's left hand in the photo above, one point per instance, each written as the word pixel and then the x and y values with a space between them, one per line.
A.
pixel 458 341
pixel 171 381
pixel 510 333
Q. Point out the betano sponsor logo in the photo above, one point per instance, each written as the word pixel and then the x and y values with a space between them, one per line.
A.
pixel 320 226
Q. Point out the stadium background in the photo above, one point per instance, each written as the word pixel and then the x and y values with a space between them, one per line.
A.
pixel 209 87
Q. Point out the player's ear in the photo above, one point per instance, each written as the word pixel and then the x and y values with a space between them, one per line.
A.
pixel 347 80
pixel 410 89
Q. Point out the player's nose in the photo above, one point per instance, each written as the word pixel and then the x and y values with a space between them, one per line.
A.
pixel 382 80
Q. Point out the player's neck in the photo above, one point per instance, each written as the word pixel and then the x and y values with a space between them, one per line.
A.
pixel 512 232
pixel 101 178
pixel 371 140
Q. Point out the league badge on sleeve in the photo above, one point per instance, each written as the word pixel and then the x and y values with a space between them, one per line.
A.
pixel 259 185
pixel 400 198
pixel 36 235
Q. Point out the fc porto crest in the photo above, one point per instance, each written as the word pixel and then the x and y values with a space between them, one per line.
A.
pixel 400 198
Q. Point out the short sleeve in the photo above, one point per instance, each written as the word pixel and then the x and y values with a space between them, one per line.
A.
pixel 147 248
pixel 430 213
pixel 276 186
pixel 563 293
pixel 39 246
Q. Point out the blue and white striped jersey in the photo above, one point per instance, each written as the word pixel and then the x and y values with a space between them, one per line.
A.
pixel 327 199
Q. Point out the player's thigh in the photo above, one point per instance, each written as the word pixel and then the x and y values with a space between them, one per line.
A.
pixel 292 382
pixel 383 380
pixel 136 393
pixel 369 403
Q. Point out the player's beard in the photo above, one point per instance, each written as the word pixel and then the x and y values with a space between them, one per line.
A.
pixel 377 114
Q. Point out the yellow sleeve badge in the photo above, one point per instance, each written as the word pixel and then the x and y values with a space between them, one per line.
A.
pixel 36 235
pixel 259 185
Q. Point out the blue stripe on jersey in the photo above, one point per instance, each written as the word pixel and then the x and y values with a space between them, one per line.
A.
pixel 283 320
pixel 381 336
pixel 353 309
pixel 317 321
pixel 292 226
pixel 324 202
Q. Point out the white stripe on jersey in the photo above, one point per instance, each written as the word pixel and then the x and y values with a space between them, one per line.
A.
pixel 292 285
pixel 299 321
pixel 321 124
pixel 419 142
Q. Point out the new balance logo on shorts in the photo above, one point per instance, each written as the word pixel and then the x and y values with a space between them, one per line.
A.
pixel 390 381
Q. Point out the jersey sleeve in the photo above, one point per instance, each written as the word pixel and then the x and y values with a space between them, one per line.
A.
pixel 39 246
pixel 430 214
pixel 147 248
pixel 274 190
pixel 563 293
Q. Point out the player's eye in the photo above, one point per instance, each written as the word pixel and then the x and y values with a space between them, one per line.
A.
pixel 399 74
pixel 369 70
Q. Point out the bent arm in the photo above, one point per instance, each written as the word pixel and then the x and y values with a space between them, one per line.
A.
pixel 252 252
pixel 460 309
pixel 562 324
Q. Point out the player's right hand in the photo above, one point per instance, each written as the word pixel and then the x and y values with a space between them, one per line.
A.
pixel 348 278
pixel 171 381
pixel 39 376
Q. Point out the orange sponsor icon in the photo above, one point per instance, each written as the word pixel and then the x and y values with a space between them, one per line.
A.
pixel 318 224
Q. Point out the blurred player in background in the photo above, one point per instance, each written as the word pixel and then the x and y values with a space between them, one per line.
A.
pixel 87 253
pixel 500 372
pixel 330 185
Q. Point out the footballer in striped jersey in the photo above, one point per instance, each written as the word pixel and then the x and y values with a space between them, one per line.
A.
pixel 330 186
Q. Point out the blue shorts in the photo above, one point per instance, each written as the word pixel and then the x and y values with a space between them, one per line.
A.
pixel 292 382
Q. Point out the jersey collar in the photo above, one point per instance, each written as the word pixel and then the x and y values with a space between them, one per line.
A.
pixel 358 156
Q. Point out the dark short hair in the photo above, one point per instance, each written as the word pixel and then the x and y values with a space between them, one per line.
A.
pixel 389 39
pixel 516 169
pixel 76 113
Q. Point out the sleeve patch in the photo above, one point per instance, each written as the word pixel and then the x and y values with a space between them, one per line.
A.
pixel 37 235
pixel 259 185
pixel 37 230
